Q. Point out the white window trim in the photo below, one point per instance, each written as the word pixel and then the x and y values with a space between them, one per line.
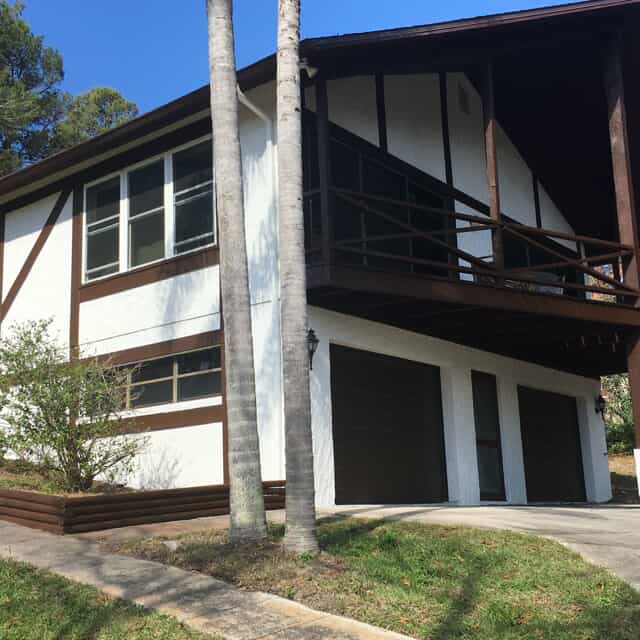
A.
pixel 123 220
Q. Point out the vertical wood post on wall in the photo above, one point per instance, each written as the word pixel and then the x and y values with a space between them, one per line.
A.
pixel 490 125
pixel 625 201
pixel 322 109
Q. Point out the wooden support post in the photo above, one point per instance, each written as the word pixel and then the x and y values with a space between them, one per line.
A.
pixel 625 202
pixel 324 155
pixel 620 158
pixel 633 367
pixel 490 125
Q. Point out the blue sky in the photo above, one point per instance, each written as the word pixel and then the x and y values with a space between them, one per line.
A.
pixel 156 50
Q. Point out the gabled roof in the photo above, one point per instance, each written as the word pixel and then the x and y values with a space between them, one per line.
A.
pixel 36 175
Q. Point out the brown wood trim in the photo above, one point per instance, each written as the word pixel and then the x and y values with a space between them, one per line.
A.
pixel 490 126
pixel 620 157
pixel 487 296
pixel 176 419
pixel 324 166
pixel 169 268
pixel 166 348
pixel 76 271
pixel 3 223
pixel 115 163
pixel 225 421
pixel 536 200
pixel 382 112
pixel 34 253
pixel 446 135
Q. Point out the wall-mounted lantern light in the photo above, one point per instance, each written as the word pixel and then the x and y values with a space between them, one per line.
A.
pixel 312 345
pixel 601 405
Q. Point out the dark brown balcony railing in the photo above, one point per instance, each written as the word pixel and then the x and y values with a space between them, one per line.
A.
pixel 385 234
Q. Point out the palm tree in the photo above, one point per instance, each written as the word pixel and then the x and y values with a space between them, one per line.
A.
pixel 247 501
pixel 300 501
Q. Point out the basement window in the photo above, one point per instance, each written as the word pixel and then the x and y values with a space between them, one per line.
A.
pixel 161 208
pixel 187 376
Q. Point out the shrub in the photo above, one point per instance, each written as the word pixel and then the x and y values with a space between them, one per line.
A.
pixel 4 445
pixel 618 415
pixel 66 416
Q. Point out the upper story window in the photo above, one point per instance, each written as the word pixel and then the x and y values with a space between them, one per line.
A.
pixel 149 212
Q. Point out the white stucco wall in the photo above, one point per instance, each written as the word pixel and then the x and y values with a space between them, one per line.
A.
pixel 46 293
pixel 456 363
pixel 414 121
pixel 352 105
pixel 185 457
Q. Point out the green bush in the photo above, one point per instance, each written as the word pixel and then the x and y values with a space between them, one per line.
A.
pixel 618 415
pixel 4 445
pixel 64 416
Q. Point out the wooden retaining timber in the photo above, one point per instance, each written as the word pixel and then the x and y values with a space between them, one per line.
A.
pixel 69 514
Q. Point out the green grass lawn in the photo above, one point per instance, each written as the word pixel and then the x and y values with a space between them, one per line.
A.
pixel 440 583
pixel 36 605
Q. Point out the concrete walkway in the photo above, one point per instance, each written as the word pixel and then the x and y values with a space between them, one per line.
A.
pixel 607 535
pixel 199 601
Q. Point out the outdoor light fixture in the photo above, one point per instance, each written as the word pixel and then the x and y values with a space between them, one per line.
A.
pixel 312 345
pixel 601 404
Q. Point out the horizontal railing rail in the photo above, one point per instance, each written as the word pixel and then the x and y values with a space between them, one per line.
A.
pixel 382 233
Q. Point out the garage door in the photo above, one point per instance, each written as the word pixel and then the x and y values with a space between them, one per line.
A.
pixel 387 429
pixel 551 446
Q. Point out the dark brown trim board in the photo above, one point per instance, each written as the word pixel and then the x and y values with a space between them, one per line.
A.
pixel 382 112
pixel 177 419
pixel 2 232
pixel 151 273
pixel 490 126
pixel 34 253
pixel 166 348
pixel 446 137
pixel 76 272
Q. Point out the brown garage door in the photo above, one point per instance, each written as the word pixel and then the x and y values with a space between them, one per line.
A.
pixel 387 429
pixel 551 446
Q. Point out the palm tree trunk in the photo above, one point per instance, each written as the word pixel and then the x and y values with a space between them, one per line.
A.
pixel 300 501
pixel 247 501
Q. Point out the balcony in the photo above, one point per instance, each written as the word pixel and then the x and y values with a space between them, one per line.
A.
pixel 387 242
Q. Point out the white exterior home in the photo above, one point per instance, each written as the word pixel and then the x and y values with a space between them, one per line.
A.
pixel 450 367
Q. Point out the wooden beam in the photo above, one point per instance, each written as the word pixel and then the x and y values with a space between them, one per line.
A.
pixel 620 158
pixel 76 271
pixel 489 297
pixel 34 253
pixel 324 168
pixel 536 200
pixel 633 368
pixel 490 126
pixel 382 112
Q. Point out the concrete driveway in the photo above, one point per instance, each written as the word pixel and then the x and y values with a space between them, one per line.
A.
pixel 607 535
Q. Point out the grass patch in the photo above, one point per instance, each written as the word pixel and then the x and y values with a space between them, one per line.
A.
pixel 25 476
pixel 624 484
pixel 36 605
pixel 424 581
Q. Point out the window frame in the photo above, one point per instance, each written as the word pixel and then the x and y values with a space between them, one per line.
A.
pixel 124 252
pixel 175 378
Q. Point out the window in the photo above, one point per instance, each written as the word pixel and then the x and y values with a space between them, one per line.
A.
pixel 103 225
pixel 146 213
pixel 193 197
pixel 188 376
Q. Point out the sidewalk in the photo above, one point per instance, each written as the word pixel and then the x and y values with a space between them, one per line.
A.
pixel 197 600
